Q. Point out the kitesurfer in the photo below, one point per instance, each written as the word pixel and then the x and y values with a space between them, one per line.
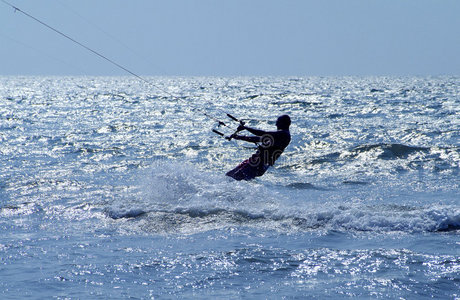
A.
pixel 270 146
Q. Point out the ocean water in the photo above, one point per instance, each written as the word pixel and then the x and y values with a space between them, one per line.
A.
pixel 111 188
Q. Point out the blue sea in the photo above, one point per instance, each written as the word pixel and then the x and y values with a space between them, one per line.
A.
pixel 114 188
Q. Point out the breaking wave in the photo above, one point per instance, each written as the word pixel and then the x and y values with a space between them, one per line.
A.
pixel 391 152
pixel 179 198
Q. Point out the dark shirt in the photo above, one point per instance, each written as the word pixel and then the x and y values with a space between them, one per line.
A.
pixel 272 144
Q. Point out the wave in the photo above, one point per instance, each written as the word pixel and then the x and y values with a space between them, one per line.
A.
pixel 404 157
pixel 304 186
pixel 382 151
pixel 389 151
pixel 179 198
pixel 383 219
pixel 21 209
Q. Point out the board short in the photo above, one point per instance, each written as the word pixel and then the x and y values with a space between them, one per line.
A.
pixel 247 171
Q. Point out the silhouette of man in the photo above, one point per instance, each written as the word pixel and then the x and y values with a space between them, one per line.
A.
pixel 271 145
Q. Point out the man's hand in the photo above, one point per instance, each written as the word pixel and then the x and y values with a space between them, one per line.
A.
pixel 241 127
pixel 231 137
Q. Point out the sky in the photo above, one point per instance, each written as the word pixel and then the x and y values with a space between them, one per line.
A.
pixel 232 37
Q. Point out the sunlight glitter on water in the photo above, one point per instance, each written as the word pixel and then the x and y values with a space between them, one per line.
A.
pixel 114 189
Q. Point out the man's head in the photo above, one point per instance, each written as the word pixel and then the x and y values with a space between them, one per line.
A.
pixel 283 122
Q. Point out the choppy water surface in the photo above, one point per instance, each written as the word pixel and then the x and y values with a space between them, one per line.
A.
pixel 111 188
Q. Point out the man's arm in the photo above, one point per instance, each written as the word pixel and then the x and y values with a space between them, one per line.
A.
pixel 252 130
pixel 251 139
